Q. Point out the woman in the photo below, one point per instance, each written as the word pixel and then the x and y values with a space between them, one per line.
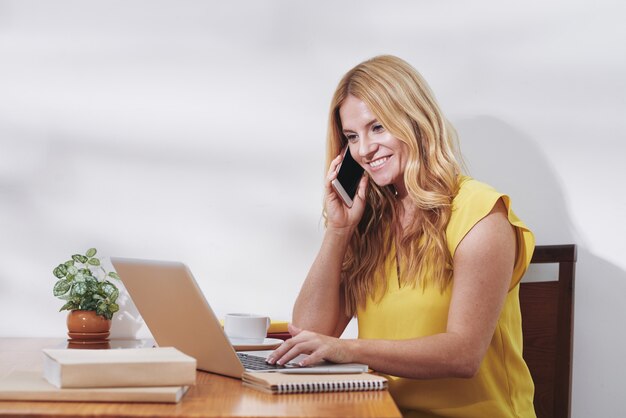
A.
pixel 428 260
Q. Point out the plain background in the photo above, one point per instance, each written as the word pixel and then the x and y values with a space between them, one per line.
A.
pixel 194 131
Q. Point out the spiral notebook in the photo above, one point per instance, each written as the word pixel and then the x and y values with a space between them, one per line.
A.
pixel 277 383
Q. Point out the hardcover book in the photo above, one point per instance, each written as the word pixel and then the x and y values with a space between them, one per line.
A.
pixel 163 366
pixel 22 385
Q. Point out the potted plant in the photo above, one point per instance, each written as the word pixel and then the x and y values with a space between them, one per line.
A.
pixel 90 297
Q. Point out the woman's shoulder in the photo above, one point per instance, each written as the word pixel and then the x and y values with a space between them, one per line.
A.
pixel 471 190
pixel 473 196
pixel 473 201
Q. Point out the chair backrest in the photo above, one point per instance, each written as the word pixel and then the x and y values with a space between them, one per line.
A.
pixel 547 313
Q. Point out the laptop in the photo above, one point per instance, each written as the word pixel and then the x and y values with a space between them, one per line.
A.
pixel 178 315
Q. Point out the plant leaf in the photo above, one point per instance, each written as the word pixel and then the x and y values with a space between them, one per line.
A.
pixel 113 307
pixel 88 304
pixel 61 287
pixel 68 306
pixel 108 288
pixel 94 261
pixel 91 252
pixel 60 271
pixel 79 289
pixel 114 275
pixel 69 263
pixel 72 270
pixel 92 283
pixel 113 296
pixel 87 307
pixel 79 258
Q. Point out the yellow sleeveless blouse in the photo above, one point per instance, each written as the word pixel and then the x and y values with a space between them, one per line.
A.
pixel 503 386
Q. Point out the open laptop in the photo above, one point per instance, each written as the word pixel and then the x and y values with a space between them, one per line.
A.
pixel 178 315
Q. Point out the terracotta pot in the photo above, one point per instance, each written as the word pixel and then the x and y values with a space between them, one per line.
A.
pixel 87 322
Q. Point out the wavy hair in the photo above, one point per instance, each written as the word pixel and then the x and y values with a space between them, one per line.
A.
pixel 404 104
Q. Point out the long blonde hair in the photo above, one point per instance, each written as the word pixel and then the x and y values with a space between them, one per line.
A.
pixel 402 101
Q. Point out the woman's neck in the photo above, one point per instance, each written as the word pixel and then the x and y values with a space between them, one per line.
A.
pixel 406 210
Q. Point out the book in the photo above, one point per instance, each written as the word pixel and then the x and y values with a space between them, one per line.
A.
pixel 277 383
pixel 278 327
pixel 162 366
pixel 22 385
pixel 279 335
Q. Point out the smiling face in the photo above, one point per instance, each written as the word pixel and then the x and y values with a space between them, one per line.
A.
pixel 382 155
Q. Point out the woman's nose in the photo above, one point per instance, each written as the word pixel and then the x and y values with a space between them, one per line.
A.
pixel 366 146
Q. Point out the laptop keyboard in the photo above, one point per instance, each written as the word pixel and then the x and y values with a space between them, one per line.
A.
pixel 251 362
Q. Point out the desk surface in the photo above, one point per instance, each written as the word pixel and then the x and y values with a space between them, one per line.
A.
pixel 213 395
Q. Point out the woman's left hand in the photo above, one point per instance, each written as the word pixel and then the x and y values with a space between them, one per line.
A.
pixel 319 347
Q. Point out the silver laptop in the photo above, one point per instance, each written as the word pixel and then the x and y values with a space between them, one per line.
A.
pixel 177 314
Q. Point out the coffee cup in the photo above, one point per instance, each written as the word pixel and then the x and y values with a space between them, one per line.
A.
pixel 246 326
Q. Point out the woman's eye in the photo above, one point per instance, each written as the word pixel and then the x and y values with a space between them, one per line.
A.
pixel 378 128
pixel 352 138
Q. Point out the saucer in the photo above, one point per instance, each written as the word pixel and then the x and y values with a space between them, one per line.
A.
pixel 251 344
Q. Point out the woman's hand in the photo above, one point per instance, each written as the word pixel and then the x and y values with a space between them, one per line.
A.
pixel 340 216
pixel 319 347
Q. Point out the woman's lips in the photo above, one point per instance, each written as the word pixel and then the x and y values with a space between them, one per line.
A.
pixel 378 163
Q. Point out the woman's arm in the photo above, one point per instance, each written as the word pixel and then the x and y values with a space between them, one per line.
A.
pixel 320 306
pixel 483 268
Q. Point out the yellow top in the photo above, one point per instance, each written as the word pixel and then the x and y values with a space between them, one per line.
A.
pixel 503 386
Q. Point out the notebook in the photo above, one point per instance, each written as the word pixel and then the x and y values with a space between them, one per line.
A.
pixel 278 383
pixel 178 315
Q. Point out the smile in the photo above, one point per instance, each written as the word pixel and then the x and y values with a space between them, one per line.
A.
pixel 377 163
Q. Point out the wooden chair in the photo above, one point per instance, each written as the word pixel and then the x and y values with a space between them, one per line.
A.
pixel 547 313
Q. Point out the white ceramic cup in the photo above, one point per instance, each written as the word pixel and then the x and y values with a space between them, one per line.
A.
pixel 246 326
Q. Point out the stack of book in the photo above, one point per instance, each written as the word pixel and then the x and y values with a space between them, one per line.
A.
pixel 279 329
pixel 125 375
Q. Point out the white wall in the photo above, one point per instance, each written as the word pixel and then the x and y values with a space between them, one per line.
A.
pixel 195 131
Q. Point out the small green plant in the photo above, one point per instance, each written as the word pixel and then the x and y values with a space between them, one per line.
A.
pixel 82 283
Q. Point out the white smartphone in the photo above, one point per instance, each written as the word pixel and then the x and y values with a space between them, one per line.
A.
pixel 348 178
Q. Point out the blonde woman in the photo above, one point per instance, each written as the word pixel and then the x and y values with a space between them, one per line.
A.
pixel 427 259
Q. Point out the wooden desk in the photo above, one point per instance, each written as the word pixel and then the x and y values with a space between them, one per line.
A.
pixel 213 395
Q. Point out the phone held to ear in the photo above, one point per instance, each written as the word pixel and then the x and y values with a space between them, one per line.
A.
pixel 348 178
